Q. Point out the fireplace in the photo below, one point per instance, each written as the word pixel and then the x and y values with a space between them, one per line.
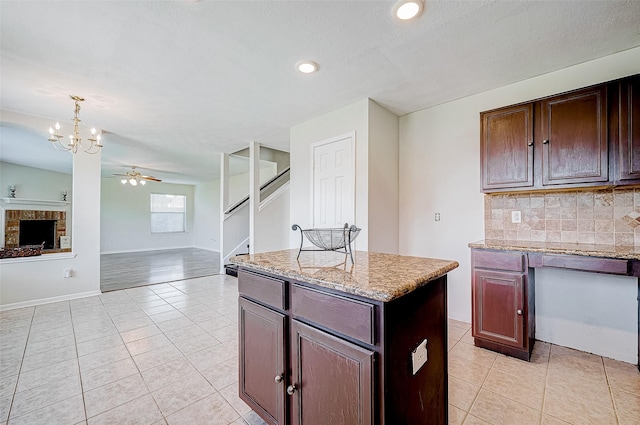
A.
pixel 37 232
pixel 32 227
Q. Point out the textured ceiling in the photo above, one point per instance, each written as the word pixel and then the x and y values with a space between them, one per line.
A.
pixel 173 83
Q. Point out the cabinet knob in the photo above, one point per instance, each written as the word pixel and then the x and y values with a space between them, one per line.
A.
pixel 278 379
pixel 519 312
pixel 545 141
pixel 291 389
pixel 530 144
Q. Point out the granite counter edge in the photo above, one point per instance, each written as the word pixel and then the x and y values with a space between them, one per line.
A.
pixel 556 250
pixel 380 295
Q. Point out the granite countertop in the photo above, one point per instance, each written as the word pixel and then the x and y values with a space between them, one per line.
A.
pixel 589 250
pixel 376 276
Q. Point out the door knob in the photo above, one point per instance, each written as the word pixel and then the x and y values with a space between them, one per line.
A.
pixel 278 379
pixel 519 312
pixel 291 389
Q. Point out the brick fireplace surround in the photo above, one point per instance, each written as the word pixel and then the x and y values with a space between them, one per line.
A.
pixel 12 226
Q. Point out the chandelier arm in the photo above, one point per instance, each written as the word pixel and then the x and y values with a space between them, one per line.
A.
pixel 59 146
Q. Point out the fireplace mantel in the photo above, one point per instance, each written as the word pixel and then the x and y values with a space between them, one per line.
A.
pixel 25 201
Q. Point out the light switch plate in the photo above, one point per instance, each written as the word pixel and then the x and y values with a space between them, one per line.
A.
pixel 419 356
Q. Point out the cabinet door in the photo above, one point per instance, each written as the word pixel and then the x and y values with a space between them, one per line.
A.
pixel 629 152
pixel 331 380
pixel 498 307
pixel 574 137
pixel 506 147
pixel 262 360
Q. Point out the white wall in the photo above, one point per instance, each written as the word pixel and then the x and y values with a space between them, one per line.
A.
pixel 206 215
pixel 342 121
pixel 272 230
pixel 35 183
pixel 383 180
pixel 37 280
pixel 126 217
pixel 440 172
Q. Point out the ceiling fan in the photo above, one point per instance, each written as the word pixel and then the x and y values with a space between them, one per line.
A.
pixel 134 177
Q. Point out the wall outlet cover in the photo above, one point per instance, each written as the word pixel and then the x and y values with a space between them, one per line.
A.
pixel 65 242
pixel 516 217
pixel 419 356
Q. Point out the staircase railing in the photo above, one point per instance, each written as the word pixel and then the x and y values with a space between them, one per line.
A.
pixel 266 189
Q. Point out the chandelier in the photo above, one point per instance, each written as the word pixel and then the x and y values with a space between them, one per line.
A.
pixel 75 142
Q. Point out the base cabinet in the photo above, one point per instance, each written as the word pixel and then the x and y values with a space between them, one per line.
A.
pixel 262 360
pixel 311 356
pixel 502 307
pixel 328 371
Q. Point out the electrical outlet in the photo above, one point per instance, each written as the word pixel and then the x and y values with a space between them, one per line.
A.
pixel 437 216
pixel 419 356
pixel 68 273
pixel 516 217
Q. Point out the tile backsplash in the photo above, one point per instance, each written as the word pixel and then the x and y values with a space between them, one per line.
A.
pixel 605 216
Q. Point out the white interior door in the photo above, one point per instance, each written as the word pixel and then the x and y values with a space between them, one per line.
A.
pixel 333 183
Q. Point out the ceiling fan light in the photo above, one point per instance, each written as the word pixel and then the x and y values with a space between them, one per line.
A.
pixel 142 182
pixel 408 9
pixel 133 182
pixel 123 181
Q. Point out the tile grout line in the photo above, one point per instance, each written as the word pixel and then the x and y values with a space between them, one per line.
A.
pixel 15 390
pixel 613 400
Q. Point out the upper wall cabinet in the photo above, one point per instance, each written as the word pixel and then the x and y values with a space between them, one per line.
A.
pixel 629 131
pixel 573 130
pixel 587 137
pixel 507 147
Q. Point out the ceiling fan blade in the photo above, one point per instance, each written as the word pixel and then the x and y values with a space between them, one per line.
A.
pixel 151 178
pixel 124 175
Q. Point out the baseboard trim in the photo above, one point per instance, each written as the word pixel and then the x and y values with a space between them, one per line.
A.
pixel 31 303
pixel 156 249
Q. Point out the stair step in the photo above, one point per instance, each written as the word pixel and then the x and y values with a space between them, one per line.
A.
pixel 231 269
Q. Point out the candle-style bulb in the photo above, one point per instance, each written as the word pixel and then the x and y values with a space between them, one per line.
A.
pixel 93 131
pixel 57 125
pixel 51 130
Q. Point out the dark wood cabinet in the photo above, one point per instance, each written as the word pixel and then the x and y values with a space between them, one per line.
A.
pixel 506 147
pixel 262 359
pixel 573 133
pixel 502 304
pixel 629 131
pixel 332 379
pixel 315 356
pixel 584 138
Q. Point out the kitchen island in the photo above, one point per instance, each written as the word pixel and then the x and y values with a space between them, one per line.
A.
pixel 323 341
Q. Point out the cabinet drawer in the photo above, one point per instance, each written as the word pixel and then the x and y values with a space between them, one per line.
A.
pixel 262 288
pixel 587 264
pixel 511 261
pixel 346 316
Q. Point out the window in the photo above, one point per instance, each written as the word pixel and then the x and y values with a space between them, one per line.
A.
pixel 168 213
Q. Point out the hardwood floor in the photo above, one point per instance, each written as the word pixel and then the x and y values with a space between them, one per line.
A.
pixel 132 269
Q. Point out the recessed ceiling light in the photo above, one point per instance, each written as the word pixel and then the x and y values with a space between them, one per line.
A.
pixel 307 67
pixel 408 9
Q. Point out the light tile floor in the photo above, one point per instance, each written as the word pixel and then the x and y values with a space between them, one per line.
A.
pixel 167 354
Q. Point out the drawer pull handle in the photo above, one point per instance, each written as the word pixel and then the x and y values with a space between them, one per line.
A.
pixel 278 379
pixel 291 389
pixel 519 312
